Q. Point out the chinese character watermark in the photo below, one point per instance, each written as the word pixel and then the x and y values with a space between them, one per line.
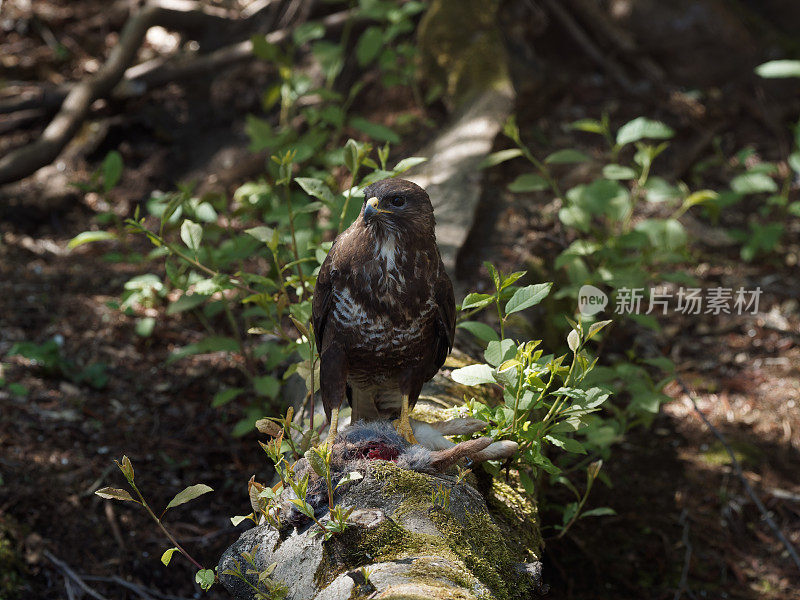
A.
pixel 687 301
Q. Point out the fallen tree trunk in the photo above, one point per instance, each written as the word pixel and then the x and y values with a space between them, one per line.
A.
pixel 411 535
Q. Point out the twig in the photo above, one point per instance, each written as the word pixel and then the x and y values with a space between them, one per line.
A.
pixel 737 468
pixel 589 47
pixel 67 571
pixel 28 159
pixel 68 587
pixel 596 19
pixel 683 586
pixel 143 591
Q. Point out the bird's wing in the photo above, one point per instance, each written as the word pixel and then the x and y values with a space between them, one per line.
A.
pixel 446 317
pixel 321 305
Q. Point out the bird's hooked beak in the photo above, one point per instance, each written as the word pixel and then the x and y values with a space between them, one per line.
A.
pixel 371 209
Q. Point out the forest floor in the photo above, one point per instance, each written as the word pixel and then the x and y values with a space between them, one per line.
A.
pixel 677 499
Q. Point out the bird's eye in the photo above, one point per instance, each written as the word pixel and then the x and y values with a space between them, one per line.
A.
pixel 398 201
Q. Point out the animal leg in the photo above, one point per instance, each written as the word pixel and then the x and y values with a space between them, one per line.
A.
pixel 333 428
pixel 403 425
pixel 333 384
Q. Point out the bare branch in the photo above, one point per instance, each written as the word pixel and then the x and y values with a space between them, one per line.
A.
pixel 737 468
pixel 177 14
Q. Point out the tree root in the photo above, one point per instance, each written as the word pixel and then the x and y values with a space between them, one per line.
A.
pixel 118 79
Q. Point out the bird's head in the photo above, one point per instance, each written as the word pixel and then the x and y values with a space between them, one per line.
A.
pixel 397 206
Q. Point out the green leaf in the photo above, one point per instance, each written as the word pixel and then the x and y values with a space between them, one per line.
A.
pixel 112 170
pixel 190 493
pixel 167 556
pixel 369 45
pixel 573 340
pixel 511 363
pixel 144 326
pixel 407 163
pixel 574 216
pixel 313 187
pixel 209 344
pixel 377 132
pixel 642 128
pixel 753 183
pixel 262 233
pixel 495 158
pixel 303 506
pixel 263 49
pixel 779 69
pixel 127 468
pixel 699 197
pixel 475 300
pixel 223 397
pixel 527 483
pixel 588 125
pixel 794 161
pixel 191 234
pixel 529 182
pixel 616 172
pixel 661 362
pixel 87 237
pixel 595 328
pixel 351 476
pixel 566 443
pixel 473 375
pixel 497 352
pixel 511 278
pixel 115 494
pixel 330 56
pixel 205 577
pixel 267 385
pixel 567 156
pixel 659 189
pixel 598 512
pixel 528 296
pixel 482 331
pixel 235 521
pixel 17 389
pixel 666 234
pixel 186 302
pixel 312 30
pixel 602 197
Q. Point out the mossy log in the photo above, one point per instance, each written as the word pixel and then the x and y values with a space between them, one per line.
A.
pixel 412 535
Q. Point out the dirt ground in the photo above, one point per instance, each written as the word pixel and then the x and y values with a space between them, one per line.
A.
pixel 678 502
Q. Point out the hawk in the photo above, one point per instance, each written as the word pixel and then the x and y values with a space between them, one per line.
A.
pixel 384 311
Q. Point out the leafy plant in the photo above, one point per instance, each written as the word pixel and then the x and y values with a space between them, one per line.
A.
pixel 266 501
pixel 547 404
pixel 245 268
pixel 205 577
pixel 763 179
pixel 48 357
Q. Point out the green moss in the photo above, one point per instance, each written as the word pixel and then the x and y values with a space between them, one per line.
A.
pixel 414 487
pixel 479 545
pixel 428 570
pixel 428 413
pixel 476 547
pixel 462 48
pixel 517 515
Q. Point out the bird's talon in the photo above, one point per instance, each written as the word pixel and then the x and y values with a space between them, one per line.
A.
pixel 406 431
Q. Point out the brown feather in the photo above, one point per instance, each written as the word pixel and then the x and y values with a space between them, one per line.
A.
pixel 383 309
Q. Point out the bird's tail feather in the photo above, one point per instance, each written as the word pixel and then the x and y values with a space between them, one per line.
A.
pixel 371 404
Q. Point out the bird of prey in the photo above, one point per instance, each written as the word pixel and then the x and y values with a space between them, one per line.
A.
pixel 383 311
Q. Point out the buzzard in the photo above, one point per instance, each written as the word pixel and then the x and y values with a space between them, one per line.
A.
pixel 384 312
